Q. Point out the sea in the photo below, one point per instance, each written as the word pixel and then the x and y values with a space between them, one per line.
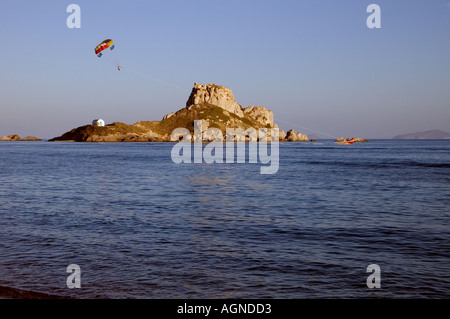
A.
pixel 123 221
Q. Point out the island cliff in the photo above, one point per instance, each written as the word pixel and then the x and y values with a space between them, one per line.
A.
pixel 213 104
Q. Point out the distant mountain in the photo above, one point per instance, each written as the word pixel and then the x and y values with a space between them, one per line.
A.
pixel 427 135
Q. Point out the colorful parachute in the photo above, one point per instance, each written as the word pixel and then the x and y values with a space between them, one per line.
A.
pixel 108 43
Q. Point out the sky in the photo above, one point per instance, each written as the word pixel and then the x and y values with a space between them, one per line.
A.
pixel 314 63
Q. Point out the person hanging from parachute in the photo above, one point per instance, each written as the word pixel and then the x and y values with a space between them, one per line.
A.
pixel 108 43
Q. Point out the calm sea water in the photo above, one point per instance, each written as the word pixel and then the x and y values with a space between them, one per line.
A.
pixel 140 226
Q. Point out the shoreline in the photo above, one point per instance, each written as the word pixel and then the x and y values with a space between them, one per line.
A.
pixel 16 293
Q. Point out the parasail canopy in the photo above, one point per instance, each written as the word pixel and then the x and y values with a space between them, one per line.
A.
pixel 108 43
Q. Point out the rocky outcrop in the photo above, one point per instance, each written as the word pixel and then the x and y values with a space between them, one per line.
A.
pixel 31 139
pixel 223 97
pixel 212 104
pixel 360 140
pixel 282 135
pixel 11 137
pixel 354 139
pixel 260 115
pixel 15 137
pixel 168 116
pixel 293 136
pixel 216 95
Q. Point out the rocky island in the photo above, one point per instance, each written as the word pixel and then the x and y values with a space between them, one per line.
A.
pixel 15 137
pixel 354 139
pixel 213 104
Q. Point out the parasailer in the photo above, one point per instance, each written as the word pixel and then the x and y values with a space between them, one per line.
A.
pixel 108 43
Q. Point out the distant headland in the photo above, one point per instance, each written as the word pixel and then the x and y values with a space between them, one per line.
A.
pixel 213 104
pixel 427 135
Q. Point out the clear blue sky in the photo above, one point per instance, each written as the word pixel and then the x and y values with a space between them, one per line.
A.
pixel 314 63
